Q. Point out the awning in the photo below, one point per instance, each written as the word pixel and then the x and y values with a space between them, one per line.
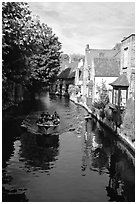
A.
pixel 120 81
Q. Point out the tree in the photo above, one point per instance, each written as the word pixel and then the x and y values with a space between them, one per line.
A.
pixel 45 64
pixel 64 57
pixel 15 46
pixel 31 52
pixel 103 99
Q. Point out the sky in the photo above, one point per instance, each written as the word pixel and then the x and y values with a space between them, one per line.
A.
pixel 99 24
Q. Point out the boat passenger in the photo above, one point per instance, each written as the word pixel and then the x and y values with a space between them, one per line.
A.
pixel 55 116
pixel 40 120
pixel 43 115
pixel 47 116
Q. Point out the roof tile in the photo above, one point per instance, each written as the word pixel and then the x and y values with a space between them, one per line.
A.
pixel 107 67
pixel 120 81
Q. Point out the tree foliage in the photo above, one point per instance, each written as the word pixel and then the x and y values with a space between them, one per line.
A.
pixel 65 57
pixel 15 44
pixel 30 50
pixel 103 99
pixel 45 64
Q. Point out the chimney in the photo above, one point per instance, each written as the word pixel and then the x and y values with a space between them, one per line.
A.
pixel 87 47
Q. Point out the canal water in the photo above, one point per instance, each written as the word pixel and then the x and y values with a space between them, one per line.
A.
pixel 83 163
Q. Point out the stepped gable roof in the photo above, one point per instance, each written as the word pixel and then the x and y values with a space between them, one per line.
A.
pixel 106 67
pixel 120 81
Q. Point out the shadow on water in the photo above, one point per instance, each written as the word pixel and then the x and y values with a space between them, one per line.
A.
pixel 103 155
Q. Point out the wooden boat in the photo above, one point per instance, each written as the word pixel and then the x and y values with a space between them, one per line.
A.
pixel 49 127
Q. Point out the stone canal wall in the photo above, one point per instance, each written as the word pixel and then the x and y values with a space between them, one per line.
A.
pixel 105 122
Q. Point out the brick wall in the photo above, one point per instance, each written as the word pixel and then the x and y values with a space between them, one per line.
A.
pixel 128 62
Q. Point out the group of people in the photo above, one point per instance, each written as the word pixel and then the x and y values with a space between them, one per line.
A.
pixel 47 117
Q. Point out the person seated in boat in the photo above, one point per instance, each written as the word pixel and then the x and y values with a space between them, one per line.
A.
pixel 47 117
pixel 55 118
pixel 43 115
pixel 40 120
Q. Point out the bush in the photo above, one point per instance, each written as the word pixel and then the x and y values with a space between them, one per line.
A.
pixel 99 104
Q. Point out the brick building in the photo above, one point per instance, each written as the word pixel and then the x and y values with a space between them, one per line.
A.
pixel 124 86
pixel 128 62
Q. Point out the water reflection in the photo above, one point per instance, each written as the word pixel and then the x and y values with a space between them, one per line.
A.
pixel 94 155
pixel 115 187
pixel 103 155
pixel 10 150
pixel 39 152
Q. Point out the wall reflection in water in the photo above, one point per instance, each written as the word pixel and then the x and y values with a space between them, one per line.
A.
pixel 101 153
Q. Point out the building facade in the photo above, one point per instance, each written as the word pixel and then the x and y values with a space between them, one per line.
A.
pixel 79 76
pixel 124 86
pixel 66 76
pixel 128 62
pixel 100 65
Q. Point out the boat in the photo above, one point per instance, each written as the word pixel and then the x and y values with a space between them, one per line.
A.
pixel 49 128
pixel 46 124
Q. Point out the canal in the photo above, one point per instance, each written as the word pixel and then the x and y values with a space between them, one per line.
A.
pixel 84 163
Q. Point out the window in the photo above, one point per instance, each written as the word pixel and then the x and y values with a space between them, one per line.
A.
pixel 116 97
pixel 123 98
pixel 125 64
pixel 80 73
